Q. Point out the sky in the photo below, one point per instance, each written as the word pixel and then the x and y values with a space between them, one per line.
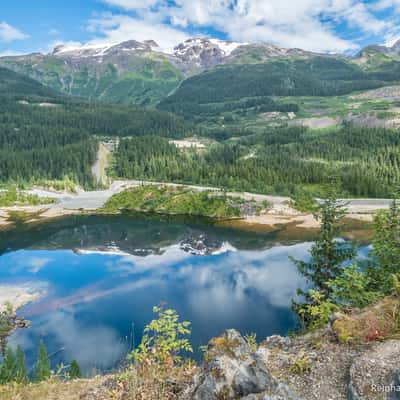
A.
pixel 342 26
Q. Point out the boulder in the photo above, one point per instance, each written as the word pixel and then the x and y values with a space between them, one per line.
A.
pixel 233 371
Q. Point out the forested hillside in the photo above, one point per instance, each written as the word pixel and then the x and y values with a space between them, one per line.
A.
pixel 47 136
pixel 316 76
pixel 280 161
pixel 14 85
pixel 128 79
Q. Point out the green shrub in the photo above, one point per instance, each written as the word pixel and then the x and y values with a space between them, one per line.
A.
pixel 164 339
pixel 300 365
pixel 251 340
pixel 170 200
pixel 351 288
pixel 13 197
pixel 317 312
pixel 304 201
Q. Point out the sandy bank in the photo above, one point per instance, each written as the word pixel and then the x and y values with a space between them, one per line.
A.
pixel 279 213
pixel 305 221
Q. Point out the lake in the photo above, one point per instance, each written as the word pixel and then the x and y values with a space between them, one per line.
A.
pixel 102 276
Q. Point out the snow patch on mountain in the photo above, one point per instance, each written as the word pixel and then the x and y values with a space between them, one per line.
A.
pixel 227 47
pixel 88 49
pixel 197 46
pixel 102 49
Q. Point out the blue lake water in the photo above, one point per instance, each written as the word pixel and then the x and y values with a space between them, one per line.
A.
pixel 101 276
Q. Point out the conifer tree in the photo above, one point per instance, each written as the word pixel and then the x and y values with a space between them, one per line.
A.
pixel 8 368
pixel 20 367
pixel 328 253
pixel 42 370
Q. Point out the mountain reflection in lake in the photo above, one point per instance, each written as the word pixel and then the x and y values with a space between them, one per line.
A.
pixel 103 275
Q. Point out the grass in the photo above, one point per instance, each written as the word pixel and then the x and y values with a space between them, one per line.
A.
pixel 155 382
pixel 300 365
pixel 133 383
pixel 178 201
pixel 54 389
pixel 13 197
pixel 64 185
pixel 378 322
pixel 23 217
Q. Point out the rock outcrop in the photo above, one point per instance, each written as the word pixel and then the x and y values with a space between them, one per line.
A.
pixel 233 371
pixel 316 366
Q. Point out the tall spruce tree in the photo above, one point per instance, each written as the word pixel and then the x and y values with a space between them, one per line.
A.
pixel 329 253
pixel 8 368
pixel 21 374
pixel 42 369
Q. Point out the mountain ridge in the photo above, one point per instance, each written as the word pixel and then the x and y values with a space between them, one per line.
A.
pixel 143 73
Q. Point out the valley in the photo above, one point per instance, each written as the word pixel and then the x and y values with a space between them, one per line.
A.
pixel 293 117
pixel 243 184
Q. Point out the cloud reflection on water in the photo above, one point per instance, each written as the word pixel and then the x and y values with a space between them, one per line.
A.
pixel 269 272
pixel 232 289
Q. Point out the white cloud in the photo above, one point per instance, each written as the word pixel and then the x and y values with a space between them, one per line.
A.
pixel 68 43
pixel 118 28
pixel 76 340
pixel 9 33
pixel 283 22
pixel 385 4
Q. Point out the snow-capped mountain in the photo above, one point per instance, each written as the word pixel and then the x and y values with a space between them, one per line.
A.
pixel 100 50
pixel 198 53
pixel 190 56
pixel 203 53
pixel 142 72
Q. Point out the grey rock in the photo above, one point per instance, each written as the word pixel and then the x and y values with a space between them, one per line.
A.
pixel 231 371
pixel 281 342
pixel 281 392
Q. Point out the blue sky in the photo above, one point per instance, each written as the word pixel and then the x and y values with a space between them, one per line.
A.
pixel 320 25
